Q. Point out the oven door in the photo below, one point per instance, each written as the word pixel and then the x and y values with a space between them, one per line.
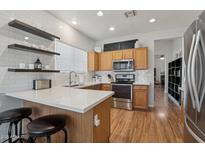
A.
pixel 123 96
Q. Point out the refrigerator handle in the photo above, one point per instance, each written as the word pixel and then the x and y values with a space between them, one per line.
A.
pixel 189 69
pixel 193 79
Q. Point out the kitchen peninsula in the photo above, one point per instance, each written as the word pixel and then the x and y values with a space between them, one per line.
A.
pixel 87 111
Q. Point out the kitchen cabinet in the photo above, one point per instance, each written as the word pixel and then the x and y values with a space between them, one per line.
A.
pixel 122 54
pixel 93 61
pixel 105 61
pixel 93 87
pixel 141 58
pixel 106 87
pixel 140 96
pixel 127 54
pixel 116 55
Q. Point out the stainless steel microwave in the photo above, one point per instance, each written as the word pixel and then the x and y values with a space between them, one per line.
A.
pixel 124 65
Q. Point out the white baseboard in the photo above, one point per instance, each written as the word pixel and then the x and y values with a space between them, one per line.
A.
pixel 174 100
pixel 151 105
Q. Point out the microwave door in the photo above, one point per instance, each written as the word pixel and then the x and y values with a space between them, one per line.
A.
pixel 116 66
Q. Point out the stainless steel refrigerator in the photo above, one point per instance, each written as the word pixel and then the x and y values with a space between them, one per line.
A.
pixel 194 57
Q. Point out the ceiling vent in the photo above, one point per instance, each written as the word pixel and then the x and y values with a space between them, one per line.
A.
pixel 130 13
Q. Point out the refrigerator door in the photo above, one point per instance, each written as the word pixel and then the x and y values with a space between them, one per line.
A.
pixel 200 123
pixel 189 43
pixel 195 91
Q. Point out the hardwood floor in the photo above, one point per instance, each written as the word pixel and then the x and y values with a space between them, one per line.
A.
pixel 160 124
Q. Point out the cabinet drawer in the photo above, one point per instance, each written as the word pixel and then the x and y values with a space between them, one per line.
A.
pixel 106 87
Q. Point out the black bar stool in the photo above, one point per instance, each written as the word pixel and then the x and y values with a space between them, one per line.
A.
pixel 46 126
pixel 13 117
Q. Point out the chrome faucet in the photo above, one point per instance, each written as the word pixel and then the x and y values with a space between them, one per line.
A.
pixel 70 77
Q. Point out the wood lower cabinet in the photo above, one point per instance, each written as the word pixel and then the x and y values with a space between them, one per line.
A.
pixel 105 61
pixel 141 58
pixel 81 126
pixel 93 61
pixel 94 87
pixel 101 133
pixel 106 87
pixel 140 97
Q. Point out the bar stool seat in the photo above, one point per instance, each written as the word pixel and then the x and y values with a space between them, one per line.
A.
pixel 46 126
pixel 14 116
pixel 9 116
pixel 24 111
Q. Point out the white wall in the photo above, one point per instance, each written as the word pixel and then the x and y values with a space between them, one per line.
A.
pixel 10 81
pixel 169 48
pixel 159 65
pixel 147 39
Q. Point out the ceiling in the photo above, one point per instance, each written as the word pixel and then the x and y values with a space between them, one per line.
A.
pixel 97 27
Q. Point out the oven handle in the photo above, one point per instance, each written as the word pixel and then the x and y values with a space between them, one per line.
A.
pixel 113 84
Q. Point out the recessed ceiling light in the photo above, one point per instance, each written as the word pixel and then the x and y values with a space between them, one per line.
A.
pixel 26 38
pixel 162 57
pixel 100 13
pixel 152 20
pixel 74 22
pixel 112 28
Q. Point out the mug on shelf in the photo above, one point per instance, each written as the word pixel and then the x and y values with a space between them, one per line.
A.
pixel 22 65
pixel 31 66
pixel 47 67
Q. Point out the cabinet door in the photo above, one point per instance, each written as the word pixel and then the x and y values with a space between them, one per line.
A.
pixel 89 87
pixel 116 55
pixel 101 133
pixel 93 61
pixel 141 58
pixel 128 54
pixel 106 87
pixel 140 97
pixel 105 60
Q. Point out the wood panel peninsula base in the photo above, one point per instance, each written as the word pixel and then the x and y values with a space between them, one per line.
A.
pixel 80 126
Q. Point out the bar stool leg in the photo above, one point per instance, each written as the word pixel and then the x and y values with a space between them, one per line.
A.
pixel 66 135
pixel 21 139
pixel 20 133
pixel 9 132
pixel 31 139
pixel 48 139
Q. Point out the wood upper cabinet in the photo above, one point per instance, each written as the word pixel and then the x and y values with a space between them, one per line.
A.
pixel 116 55
pixel 140 97
pixel 93 61
pixel 141 58
pixel 128 54
pixel 122 54
pixel 105 61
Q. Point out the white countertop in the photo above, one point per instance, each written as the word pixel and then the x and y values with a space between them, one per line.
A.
pixel 77 100
pixel 97 83
pixel 87 84
pixel 141 83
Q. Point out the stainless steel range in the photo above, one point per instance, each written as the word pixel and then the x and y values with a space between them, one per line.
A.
pixel 123 91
